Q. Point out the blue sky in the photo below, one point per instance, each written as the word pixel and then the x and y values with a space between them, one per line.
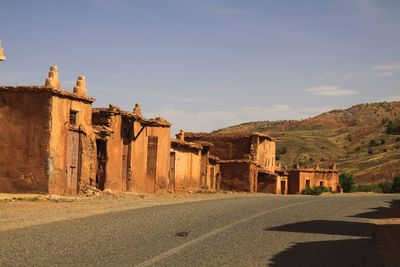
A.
pixel 208 64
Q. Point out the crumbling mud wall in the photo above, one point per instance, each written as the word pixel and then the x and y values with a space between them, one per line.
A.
pixel 127 135
pixel 272 183
pixel 24 139
pixel 265 153
pixel 62 105
pixel 142 179
pixel 238 175
pixel 187 168
pixel 225 146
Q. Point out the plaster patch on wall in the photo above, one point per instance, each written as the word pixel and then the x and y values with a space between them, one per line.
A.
pixel 50 166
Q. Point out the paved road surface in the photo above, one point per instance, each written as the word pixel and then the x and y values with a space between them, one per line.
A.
pixel 245 231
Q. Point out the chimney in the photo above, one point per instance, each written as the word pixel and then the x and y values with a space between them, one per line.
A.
pixel 52 81
pixel 2 57
pixel 80 88
pixel 137 111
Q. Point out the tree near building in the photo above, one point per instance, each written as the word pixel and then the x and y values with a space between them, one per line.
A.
pixel 347 182
pixel 396 184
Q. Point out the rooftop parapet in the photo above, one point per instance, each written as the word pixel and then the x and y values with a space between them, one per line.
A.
pixel 2 57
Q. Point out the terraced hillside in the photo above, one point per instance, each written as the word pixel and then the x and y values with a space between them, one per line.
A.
pixel 357 139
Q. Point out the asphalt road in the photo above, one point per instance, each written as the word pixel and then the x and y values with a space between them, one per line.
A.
pixel 246 231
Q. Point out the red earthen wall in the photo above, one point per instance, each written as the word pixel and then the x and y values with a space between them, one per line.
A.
pixel 58 152
pixel 238 176
pixel 24 141
pixel 225 146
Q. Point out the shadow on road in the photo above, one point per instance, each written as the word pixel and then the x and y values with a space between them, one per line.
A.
pixel 382 212
pixel 373 244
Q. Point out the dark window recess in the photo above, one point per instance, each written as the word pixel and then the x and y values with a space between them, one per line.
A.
pixel 72 117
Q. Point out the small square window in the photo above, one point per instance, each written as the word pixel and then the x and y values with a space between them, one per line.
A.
pixel 72 117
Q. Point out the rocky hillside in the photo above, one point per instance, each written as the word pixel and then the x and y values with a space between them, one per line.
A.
pixel 357 139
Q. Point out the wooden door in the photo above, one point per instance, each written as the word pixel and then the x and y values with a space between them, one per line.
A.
pixel 152 161
pixel 212 178
pixel 203 169
pixel 172 170
pixel 72 163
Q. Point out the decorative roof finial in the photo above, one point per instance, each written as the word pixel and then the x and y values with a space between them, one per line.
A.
pixel 52 80
pixel 2 57
pixel 137 111
pixel 181 135
pixel 80 88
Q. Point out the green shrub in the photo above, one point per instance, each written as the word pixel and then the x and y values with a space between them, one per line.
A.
pixel 347 182
pixel 386 186
pixel 392 128
pixel 316 190
pixel 281 150
pixel 307 191
pixel 368 188
pixel 396 184
pixel 373 143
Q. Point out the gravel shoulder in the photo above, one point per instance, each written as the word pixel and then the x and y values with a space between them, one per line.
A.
pixel 23 210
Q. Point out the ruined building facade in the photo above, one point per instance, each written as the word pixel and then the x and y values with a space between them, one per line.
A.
pixel 53 141
pixel 192 167
pixel 46 138
pixel 132 152
pixel 248 164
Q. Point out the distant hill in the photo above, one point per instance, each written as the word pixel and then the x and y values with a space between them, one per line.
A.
pixel 355 138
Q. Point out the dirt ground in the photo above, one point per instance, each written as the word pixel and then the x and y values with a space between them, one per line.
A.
pixel 22 210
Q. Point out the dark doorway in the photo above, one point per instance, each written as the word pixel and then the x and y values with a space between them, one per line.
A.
pixel 283 187
pixel 172 170
pixel 127 135
pixel 307 183
pixel 152 160
pixel 73 163
pixel 125 163
pixel 101 163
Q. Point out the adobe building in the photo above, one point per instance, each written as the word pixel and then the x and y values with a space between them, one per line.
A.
pixel 133 152
pixel 46 139
pixel 247 161
pixel 2 57
pixel 301 178
pixel 191 167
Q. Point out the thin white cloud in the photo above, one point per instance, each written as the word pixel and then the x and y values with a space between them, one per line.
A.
pixel 327 90
pixel 384 74
pixel 392 67
pixel 380 70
